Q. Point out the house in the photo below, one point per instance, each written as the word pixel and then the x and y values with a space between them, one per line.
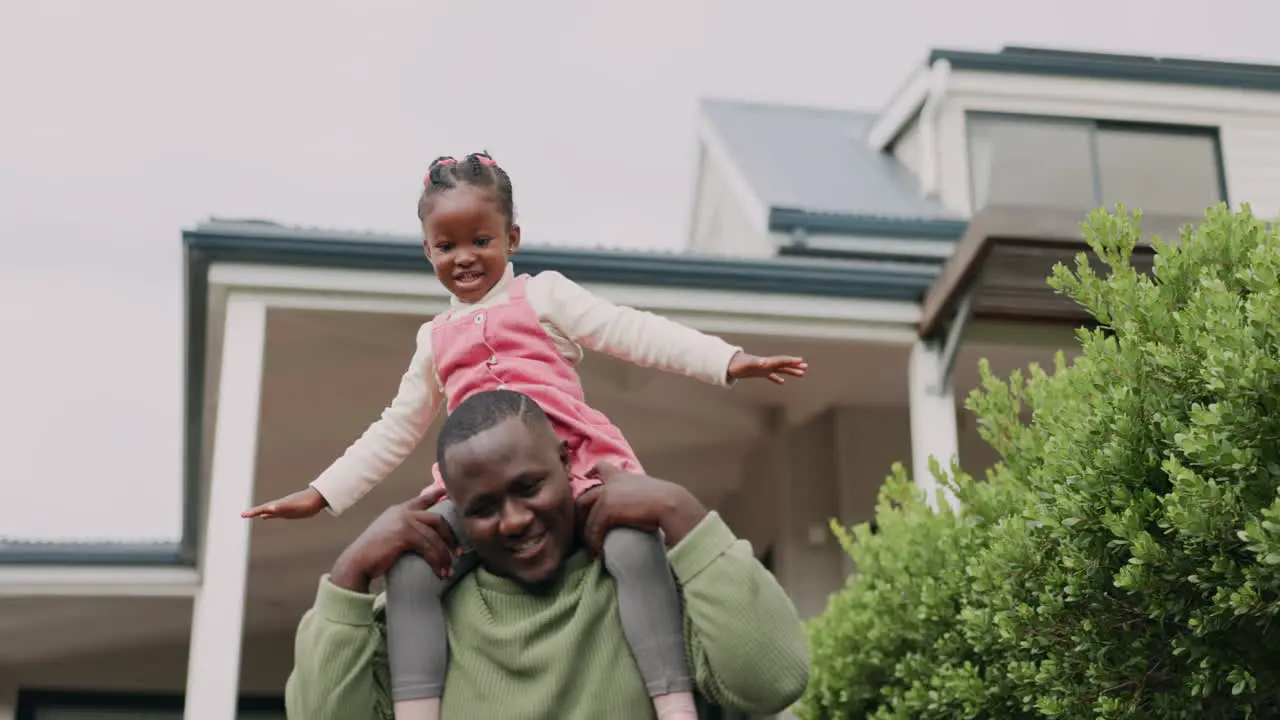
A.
pixel 891 249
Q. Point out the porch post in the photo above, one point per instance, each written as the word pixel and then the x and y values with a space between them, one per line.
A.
pixel 217 623
pixel 933 416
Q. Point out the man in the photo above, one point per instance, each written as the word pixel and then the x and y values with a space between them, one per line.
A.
pixel 534 631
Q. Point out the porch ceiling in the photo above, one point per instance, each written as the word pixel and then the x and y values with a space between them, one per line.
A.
pixel 329 374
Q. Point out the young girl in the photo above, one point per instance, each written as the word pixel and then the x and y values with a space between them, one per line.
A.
pixel 522 333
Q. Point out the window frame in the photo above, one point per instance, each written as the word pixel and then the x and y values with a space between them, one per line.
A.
pixel 1093 125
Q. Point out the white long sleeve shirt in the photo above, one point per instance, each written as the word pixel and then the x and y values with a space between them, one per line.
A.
pixel 574 318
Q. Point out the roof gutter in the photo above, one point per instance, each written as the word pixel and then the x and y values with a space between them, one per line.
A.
pixel 930 157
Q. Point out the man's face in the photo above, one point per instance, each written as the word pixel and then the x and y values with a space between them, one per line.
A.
pixel 511 487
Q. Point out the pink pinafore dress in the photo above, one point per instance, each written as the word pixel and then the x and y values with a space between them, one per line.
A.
pixel 504 347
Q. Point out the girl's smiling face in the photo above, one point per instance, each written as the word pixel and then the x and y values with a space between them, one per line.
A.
pixel 468 240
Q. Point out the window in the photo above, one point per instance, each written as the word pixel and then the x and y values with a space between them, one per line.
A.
pixel 1059 162
pixel 1159 172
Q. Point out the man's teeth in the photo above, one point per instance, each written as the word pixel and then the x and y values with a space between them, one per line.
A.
pixel 528 544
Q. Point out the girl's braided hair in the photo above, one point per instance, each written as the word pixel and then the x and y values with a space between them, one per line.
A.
pixel 477 170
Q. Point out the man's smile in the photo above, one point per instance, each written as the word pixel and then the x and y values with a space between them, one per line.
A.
pixel 528 547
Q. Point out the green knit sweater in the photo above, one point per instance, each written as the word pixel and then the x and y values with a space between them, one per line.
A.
pixel 563 655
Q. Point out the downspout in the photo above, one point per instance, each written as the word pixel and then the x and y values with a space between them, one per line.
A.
pixel 930 158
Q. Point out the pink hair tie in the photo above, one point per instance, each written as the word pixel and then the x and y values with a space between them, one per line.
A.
pixel 439 162
pixel 486 160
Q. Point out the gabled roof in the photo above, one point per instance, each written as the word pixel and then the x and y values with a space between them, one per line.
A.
pixel 815 170
pixel 1108 66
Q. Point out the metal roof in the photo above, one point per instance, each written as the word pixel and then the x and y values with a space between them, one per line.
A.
pixel 1108 66
pixel 814 168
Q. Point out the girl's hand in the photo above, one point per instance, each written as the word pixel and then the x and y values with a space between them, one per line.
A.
pixel 774 368
pixel 297 506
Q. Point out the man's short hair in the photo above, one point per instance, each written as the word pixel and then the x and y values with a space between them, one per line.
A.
pixel 483 411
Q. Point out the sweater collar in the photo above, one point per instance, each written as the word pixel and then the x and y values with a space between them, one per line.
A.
pixel 574 567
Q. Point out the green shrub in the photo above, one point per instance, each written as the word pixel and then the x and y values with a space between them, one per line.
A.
pixel 1123 558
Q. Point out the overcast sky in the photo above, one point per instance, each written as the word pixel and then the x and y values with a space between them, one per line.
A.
pixel 125 121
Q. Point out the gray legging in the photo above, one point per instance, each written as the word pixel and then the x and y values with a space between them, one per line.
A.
pixel 648 605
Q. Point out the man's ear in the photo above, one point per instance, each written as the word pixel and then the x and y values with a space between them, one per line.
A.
pixel 564 455
pixel 513 239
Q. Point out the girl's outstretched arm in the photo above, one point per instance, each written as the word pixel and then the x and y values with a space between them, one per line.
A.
pixel 636 336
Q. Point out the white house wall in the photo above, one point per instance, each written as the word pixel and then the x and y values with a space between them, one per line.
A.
pixel 869 440
pixel 809 560
pixel 833 466
pixel 721 226
pixel 790 491
pixel 1248 122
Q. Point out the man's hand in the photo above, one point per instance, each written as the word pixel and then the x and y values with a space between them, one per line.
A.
pixel 407 527
pixel 776 368
pixel 304 504
pixel 637 501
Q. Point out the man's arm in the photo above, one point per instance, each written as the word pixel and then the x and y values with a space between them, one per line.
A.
pixel 340 665
pixel 747 647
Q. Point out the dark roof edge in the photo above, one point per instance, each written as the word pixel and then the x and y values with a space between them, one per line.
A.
pixel 788 219
pixel 97 554
pixel 1065 63
pixel 363 252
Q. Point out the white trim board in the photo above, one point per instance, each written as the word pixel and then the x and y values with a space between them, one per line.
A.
pixel 904 106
